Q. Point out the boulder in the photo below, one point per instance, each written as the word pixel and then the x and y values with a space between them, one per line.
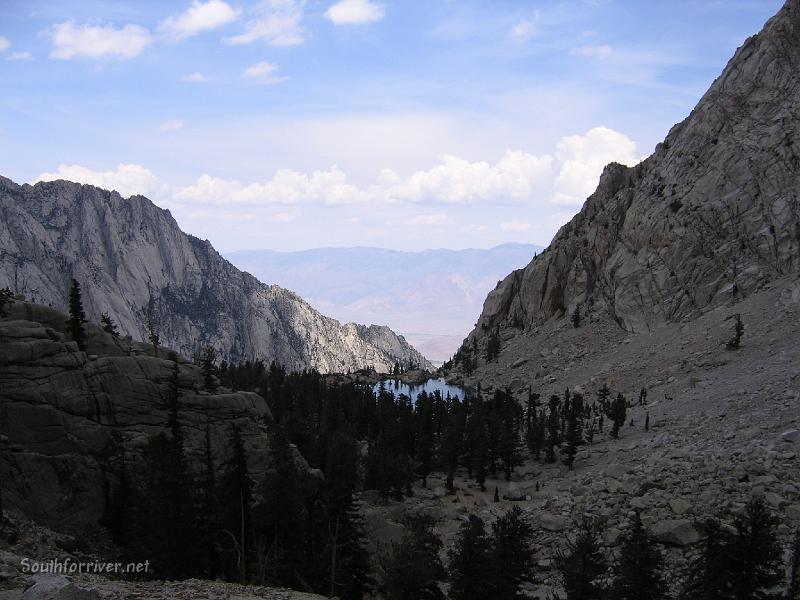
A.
pixel 514 492
pixel 675 532
pixel 791 435
pixel 553 522
pixel 616 471
pixel 55 587
pixel 679 506
pixel 793 512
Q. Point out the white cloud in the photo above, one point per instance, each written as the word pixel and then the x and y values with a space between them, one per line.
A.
pixel 172 125
pixel 603 51
pixel 515 176
pixel 515 226
pixel 262 69
pixel 199 17
pixel 582 158
pixel 196 77
pixel 567 176
pixel 277 23
pixel 525 29
pixel 20 56
pixel 286 187
pixel 97 41
pixel 4 44
pixel 354 12
pixel 127 179
pixel 263 73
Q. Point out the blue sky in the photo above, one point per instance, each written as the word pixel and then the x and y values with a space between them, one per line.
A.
pixel 291 124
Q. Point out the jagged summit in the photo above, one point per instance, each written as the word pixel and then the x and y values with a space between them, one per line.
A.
pixel 134 262
pixel 713 214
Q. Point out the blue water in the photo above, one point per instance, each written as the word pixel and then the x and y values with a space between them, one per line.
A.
pixel 412 391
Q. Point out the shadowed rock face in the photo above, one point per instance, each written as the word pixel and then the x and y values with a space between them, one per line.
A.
pixel 66 414
pixel 133 261
pixel 712 213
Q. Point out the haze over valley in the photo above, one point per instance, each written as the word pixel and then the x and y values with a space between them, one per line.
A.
pixel 431 297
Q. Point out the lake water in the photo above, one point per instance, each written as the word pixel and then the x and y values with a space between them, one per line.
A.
pixel 412 391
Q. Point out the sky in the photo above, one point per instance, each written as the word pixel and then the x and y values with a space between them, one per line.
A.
pixel 413 124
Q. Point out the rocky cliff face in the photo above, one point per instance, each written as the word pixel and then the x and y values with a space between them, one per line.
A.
pixel 134 262
pixel 66 413
pixel 711 216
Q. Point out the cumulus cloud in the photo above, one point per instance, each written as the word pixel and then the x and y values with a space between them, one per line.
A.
pixel 20 56
pixel 263 72
pixel 196 77
pixel 199 17
pixel 525 29
pixel 567 176
pixel 4 44
pixel 286 187
pixel 276 22
pixel 127 179
pixel 455 179
pixel 582 158
pixel 354 12
pixel 97 41
pixel 172 125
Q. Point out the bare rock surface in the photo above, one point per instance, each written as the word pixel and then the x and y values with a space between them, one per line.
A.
pixel 65 411
pixel 712 215
pixel 134 262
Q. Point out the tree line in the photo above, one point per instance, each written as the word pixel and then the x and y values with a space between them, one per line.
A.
pixel 738 559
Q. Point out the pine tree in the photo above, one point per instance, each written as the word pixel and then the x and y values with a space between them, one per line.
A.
pixel 236 522
pixel 793 586
pixel 576 316
pixel 492 346
pixel 345 558
pixel 582 564
pixel 708 576
pixel 412 569
pixel 6 298
pixel 281 519
pixel 553 438
pixel 469 563
pixel 738 331
pixel 755 552
pixel 511 558
pixel 152 335
pixel 617 414
pixel 425 436
pixel 207 365
pixel 77 318
pixel 573 435
pixel 638 572
pixel 602 397
pixel 159 522
pixel 507 421
pixel 109 326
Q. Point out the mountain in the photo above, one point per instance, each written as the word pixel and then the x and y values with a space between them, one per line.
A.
pixel 711 218
pixel 431 296
pixel 134 262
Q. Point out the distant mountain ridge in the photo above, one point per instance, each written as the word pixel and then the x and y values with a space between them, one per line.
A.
pixel 134 262
pixel 432 296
